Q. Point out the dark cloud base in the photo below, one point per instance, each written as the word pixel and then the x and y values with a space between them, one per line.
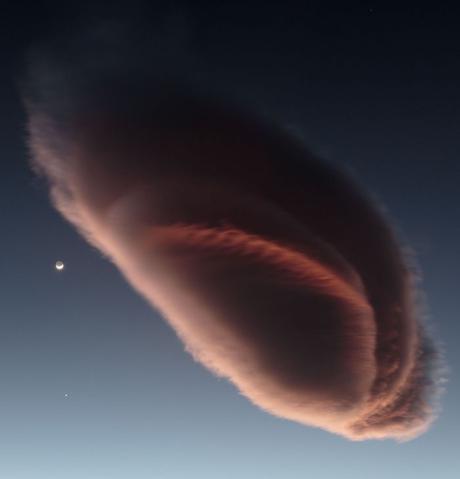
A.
pixel 275 270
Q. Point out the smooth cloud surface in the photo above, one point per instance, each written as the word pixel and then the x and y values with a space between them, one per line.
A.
pixel 273 268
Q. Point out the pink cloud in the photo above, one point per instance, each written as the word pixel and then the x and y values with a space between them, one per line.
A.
pixel 275 270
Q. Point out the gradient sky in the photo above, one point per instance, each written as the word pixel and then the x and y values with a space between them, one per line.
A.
pixel 372 89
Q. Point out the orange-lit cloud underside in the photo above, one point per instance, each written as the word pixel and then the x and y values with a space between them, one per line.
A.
pixel 298 266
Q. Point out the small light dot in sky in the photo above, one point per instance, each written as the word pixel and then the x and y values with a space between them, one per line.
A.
pixel 59 265
pixel 66 395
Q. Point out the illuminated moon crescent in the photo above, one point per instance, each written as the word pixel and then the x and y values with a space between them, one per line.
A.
pixel 59 265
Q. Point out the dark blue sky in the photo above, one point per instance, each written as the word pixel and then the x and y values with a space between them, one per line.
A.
pixel 370 88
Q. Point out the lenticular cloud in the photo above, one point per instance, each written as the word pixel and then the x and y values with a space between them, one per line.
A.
pixel 273 268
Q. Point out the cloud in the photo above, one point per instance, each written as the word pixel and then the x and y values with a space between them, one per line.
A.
pixel 275 269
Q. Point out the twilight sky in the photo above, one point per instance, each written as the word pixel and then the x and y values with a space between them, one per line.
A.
pixel 95 384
